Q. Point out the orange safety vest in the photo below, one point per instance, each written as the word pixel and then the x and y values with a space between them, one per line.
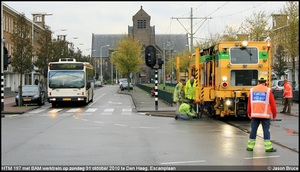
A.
pixel 260 107
pixel 287 90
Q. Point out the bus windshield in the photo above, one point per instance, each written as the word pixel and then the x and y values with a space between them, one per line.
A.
pixel 66 79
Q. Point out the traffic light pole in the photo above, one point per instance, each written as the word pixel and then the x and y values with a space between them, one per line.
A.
pixel 156 90
pixel 150 59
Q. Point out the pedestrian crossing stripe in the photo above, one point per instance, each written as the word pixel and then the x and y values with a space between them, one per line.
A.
pixel 126 111
pixel 73 110
pixel 89 111
pixel 108 110
pixel 54 110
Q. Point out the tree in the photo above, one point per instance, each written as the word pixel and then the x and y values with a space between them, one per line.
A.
pixel 230 34
pixel 280 65
pixel 127 58
pixel 212 40
pixel 256 26
pixel 44 52
pixel 59 50
pixel 22 50
pixel 292 40
pixel 184 61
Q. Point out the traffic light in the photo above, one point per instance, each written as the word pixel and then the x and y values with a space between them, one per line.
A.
pixel 6 58
pixel 160 63
pixel 150 56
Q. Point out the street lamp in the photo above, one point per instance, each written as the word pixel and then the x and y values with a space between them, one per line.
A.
pixel 95 66
pixel 72 38
pixel 60 30
pixel 40 19
pixel 111 70
pixel 57 31
pixel 101 61
pixel 67 44
pixel 78 45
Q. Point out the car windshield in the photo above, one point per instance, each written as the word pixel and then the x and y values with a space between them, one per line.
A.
pixel 122 80
pixel 280 83
pixel 30 89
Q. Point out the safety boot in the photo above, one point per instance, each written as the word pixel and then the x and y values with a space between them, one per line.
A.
pixel 268 146
pixel 250 145
pixel 271 150
pixel 249 149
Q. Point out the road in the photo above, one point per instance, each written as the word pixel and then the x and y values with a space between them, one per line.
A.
pixel 108 132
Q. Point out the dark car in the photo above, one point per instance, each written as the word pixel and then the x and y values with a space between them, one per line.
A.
pixel 31 94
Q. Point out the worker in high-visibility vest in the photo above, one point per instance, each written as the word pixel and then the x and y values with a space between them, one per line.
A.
pixel 186 110
pixel 178 93
pixel 261 105
pixel 287 96
pixel 190 90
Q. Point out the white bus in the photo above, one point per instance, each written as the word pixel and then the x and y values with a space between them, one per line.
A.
pixel 70 81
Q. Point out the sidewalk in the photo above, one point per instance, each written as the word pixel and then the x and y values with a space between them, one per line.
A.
pixel 145 103
pixel 9 105
pixel 142 100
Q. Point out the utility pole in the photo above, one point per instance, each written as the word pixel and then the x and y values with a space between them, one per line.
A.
pixel 192 32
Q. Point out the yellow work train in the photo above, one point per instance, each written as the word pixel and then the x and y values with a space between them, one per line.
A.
pixel 224 74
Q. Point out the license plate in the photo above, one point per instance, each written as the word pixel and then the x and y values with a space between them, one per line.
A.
pixel 67 99
pixel 27 99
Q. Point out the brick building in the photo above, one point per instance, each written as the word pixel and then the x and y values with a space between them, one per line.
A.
pixel 142 30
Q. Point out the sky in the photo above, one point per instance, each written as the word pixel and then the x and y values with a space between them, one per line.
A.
pixel 83 18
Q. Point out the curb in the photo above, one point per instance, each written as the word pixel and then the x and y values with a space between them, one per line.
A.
pixel 19 112
pixel 160 115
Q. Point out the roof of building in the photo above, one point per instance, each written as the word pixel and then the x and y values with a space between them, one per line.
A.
pixel 174 42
